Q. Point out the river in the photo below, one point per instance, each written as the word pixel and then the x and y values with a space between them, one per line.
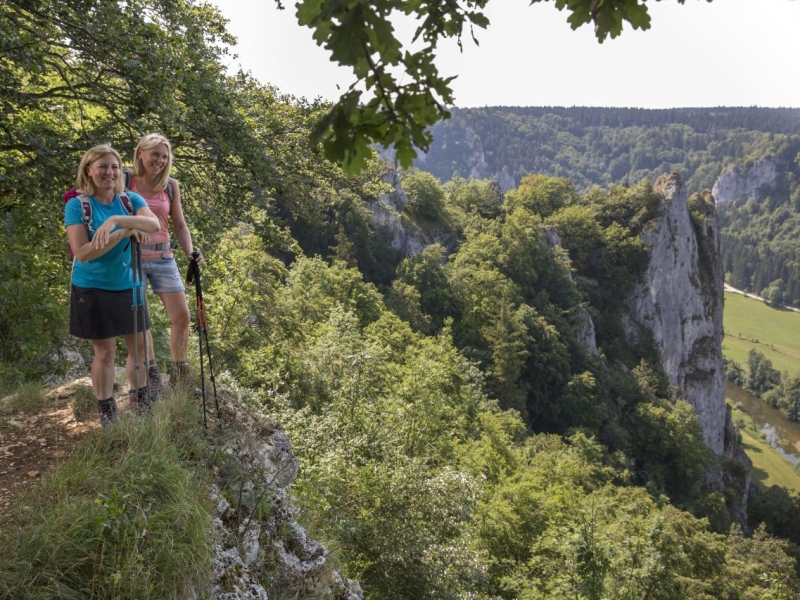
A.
pixel 781 433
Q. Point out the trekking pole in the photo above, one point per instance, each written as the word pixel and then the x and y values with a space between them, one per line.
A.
pixel 138 300
pixel 142 302
pixel 193 275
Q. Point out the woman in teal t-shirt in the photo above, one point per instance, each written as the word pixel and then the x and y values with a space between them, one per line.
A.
pixel 101 299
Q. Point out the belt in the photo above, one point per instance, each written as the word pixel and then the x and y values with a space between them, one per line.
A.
pixel 162 246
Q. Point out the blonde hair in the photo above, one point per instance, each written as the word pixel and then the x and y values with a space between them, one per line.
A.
pixel 84 183
pixel 148 142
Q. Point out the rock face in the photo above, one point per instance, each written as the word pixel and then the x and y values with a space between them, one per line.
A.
pixel 505 181
pixel 401 234
pixel 680 304
pixel 387 221
pixel 261 552
pixel 746 181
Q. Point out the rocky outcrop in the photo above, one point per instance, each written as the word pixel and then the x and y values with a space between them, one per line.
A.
pixel 505 181
pixel 477 157
pixel 400 233
pixel 680 303
pixel 386 219
pixel 746 181
pixel 261 552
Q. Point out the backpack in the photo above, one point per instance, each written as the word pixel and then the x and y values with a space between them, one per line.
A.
pixel 86 209
pixel 129 174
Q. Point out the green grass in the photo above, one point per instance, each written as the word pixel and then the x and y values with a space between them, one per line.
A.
pixel 84 402
pixel 29 398
pixel 774 332
pixel 769 467
pixel 128 516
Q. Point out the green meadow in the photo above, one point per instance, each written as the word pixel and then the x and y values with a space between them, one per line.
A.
pixel 769 467
pixel 749 323
pixel 775 332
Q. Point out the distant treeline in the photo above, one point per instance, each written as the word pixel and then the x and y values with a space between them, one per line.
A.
pixel 605 145
pixel 702 120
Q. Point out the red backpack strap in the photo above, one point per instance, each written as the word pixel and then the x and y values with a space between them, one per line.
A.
pixel 86 210
pixel 126 202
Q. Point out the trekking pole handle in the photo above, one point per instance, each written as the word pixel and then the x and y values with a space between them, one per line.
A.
pixel 193 273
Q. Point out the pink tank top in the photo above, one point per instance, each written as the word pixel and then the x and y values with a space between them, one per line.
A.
pixel 160 205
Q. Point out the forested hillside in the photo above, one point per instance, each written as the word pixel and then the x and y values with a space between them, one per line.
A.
pixel 761 232
pixel 599 146
pixel 459 437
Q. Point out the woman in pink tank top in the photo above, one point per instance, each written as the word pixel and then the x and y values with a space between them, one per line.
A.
pixel 152 160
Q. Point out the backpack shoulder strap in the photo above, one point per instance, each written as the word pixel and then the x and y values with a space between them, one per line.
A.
pixel 126 202
pixel 170 190
pixel 127 173
pixel 86 209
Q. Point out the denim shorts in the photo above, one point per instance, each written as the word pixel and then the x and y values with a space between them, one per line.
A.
pixel 163 275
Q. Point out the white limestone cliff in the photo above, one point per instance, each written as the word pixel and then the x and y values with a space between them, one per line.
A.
pixel 746 181
pixel 680 303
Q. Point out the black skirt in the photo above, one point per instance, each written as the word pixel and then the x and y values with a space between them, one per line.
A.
pixel 99 314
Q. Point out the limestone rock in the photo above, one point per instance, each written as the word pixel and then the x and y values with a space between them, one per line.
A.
pixel 260 549
pixel 680 303
pixel 65 364
pixel 401 234
pixel 505 181
pixel 746 181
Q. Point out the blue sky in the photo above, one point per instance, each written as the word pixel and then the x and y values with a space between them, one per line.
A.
pixel 723 53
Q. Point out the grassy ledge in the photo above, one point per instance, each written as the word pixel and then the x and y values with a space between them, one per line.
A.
pixel 127 516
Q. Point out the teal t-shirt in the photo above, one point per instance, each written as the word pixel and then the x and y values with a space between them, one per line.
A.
pixel 112 271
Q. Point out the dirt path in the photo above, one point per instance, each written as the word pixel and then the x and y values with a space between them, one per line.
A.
pixel 31 443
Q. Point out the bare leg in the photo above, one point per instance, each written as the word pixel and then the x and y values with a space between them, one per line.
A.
pixel 103 367
pixel 137 378
pixel 178 313
pixel 151 353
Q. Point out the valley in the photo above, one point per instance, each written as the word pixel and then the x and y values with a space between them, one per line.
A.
pixel 771 441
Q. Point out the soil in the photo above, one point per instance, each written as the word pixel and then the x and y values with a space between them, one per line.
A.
pixel 31 443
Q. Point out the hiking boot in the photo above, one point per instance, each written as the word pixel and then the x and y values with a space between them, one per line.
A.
pixel 140 400
pixel 154 381
pixel 179 374
pixel 108 411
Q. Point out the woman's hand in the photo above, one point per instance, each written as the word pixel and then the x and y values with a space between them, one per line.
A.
pixel 102 235
pixel 140 236
pixel 197 256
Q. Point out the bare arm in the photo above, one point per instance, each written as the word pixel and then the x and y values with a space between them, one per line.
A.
pixel 144 221
pixel 179 225
pixel 85 250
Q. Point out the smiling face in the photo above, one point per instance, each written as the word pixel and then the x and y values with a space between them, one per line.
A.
pixel 104 173
pixel 155 159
